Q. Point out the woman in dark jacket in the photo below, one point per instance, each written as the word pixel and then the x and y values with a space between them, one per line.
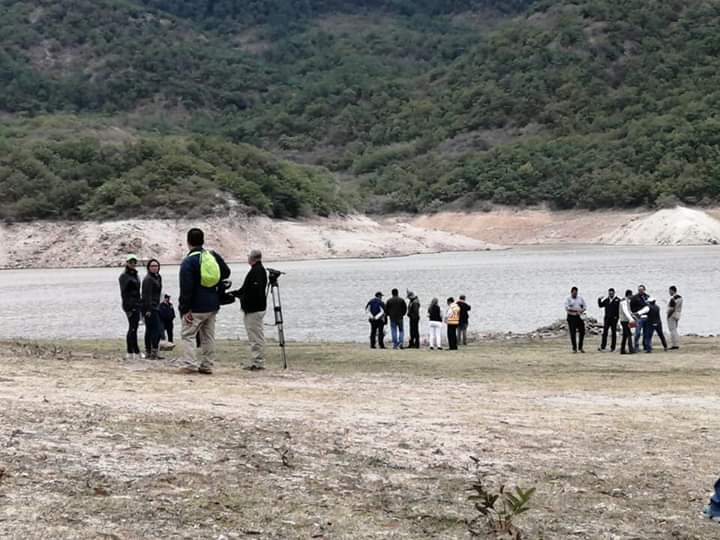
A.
pixel 151 292
pixel 130 294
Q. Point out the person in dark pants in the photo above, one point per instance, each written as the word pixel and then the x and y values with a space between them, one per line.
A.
pixel 653 324
pixel 167 315
pixel 396 308
pixel 637 303
pixel 151 291
pixel 452 319
pixel 575 308
pixel 414 316
pixel 626 318
pixel 375 310
pixel 611 303
pixel 130 294
pixel 464 319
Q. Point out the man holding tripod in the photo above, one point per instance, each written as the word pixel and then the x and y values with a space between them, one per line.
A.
pixel 253 302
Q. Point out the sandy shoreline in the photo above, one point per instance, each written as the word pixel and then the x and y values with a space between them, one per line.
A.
pixel 352 444
pixel 52 244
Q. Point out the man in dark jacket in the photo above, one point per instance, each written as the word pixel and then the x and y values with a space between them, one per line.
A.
pixel 396 309
pixel 637 303
pixel 253 301
pixel 464 320
pixel 199 304
pixel 611 303
pixel 167 315
pixel 131 305
pixel 653 324
pixel 375 310
pixel 414 316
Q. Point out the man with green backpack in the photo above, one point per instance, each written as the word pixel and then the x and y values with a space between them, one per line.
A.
pixel 201 272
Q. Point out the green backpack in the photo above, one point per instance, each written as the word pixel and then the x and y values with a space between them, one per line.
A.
pixel 209 269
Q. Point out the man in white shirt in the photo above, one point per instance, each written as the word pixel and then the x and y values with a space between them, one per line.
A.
pixel 575 308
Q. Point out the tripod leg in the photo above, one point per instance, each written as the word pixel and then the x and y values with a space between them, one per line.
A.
pixel 277 310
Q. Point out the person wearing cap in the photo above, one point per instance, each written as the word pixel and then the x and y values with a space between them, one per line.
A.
pixel 414 316
pixel 167 315
pixel 130 295
pixel 375 310
pixel 653 323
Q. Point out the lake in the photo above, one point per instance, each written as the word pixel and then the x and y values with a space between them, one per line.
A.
pixel 516 290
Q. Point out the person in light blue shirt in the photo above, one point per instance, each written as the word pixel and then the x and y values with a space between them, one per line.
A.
pixel 575 308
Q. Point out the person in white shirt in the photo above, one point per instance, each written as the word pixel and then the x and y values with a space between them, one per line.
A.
pixel 673 316
pixel 575 308
pixel 626 318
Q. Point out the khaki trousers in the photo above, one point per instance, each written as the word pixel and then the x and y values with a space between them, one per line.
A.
pixel 203 325
pixel 256 336
pixel 674 334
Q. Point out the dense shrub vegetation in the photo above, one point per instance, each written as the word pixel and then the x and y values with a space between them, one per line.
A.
pixel 408 105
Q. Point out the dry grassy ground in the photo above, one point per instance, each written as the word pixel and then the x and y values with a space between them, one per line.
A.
pixel 353 443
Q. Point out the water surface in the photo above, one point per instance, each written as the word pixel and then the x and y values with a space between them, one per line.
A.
pixel 514 290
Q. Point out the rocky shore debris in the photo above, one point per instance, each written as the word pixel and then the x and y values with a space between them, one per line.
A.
pixel 557 329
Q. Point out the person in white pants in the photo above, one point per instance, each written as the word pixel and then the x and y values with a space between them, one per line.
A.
pixel 435 325
pixel 673 317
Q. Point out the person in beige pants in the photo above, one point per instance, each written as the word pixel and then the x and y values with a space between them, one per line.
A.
pixel 673 317
pixel 253 301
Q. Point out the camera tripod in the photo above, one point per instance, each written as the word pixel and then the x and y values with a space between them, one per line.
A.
pixel 274 290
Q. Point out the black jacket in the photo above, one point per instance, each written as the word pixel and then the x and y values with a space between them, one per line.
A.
pixel 130 290
pixel 653 316
pixel 166 312
pixel 434 313
pixel 464 315
pixel 414 309
pixel 612 307
pixel 193 296
pixel 151 291
pixel 253 293
pixel 396 308
pixel 637 302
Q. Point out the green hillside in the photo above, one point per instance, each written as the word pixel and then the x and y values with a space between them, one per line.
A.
pixel 114 108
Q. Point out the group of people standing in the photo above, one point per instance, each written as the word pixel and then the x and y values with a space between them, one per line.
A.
pixel 203 288
pixel 455 317
pixel 639 317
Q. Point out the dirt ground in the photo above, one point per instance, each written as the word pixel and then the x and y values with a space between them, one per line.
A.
pixel 353 443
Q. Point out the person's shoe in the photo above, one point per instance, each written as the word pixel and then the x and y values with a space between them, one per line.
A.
pixel 582 351
pixel 665 349
pixel 186 371
pixel 254 368
pixel 674 348
pixel 156 356
pixel 382 346
pixel 205 370
pixel 440 348
pixel 601 349
pixel 623 352
pixel 432 348
pixel 612 350
pixel 372 346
